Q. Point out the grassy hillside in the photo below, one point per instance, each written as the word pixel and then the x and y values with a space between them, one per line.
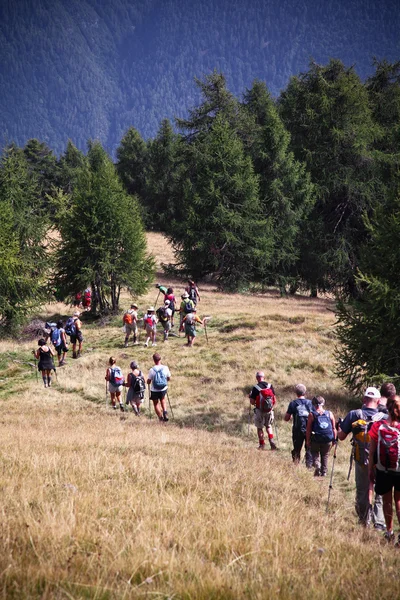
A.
pixel 96 504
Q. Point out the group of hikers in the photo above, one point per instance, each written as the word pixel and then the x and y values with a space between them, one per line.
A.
pixel 375 429
pixel 375 426
pixel 165 315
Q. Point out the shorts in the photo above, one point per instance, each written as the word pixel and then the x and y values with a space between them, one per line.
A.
pixel 166 325
pixel 76 338
pixel 384 482
pixel 131 328
pixel 263 419
pixel 113 389
pixel 190 330
pixel 60 349
pixel 156 396
pixel 150 329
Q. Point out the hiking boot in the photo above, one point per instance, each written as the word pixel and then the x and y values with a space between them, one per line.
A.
pixel 146 344
pixel 114 407
pixel 261 447
pixel 126 345
pixel 161 419
pixel 121 407
pixel 79 353
pixel 273 446
pixel 74 355
pixel 62 363
pixel 388 536
pixel 317 473
pixel 154 344
pixel 165 416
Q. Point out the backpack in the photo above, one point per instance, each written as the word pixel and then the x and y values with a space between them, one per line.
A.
pixel 159 379
pixel 170 297
pixel 127 318
pixel 300 417
pixel 192 294
pixel 138 385
pixel 322 427
pixel 388 450
pixel 55 337
pixel 188 306
pixel 361 440
pixel 162 314
pixel 148 321
pixel 70 327
pixel 266 398
pixel 116 377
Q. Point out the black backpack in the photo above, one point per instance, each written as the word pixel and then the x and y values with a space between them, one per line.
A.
pixel 192 294
pixel 138 385
pixel 300 417
pixel 162 314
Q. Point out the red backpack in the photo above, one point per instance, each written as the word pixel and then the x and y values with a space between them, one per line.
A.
pixel 388 450
pixel 266 398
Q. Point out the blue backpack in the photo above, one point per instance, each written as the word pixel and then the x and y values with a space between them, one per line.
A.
pixel 322 431
pixel 159 380
pixel 70 327
pixel 116 376
pixel 55 336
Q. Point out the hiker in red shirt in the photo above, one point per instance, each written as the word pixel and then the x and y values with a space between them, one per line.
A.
pixel 384 464
pixel 262 397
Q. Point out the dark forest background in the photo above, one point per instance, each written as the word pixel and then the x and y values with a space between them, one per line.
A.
pixel 81 69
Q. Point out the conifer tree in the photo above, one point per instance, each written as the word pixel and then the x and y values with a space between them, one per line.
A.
pixel 103 241
pixel 218 227
pixel 24 262
pixel 132 161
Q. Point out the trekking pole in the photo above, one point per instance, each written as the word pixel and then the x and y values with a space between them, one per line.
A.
pixel 106 393
pixel 155 304
pixel 169 402
pixel 150 414
pixel 330 483
pixel 351 464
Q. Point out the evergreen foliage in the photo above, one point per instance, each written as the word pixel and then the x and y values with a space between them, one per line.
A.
pixel 368 327
pixel 24 262
pixel 103 242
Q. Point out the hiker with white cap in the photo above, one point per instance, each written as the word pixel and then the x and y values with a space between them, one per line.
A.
pixel 130 324
pixel 187 306
pixel 150 326
pixel 73 328
pixel 358 422
pixel 164 315
pixel 262 397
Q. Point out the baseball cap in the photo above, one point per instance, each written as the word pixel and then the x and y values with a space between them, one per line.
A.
pixel 167 302
pixel 76 313
pixel 372 392
pixel 260 374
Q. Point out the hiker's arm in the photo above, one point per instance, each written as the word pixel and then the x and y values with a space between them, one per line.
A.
pixel 309 429
pixel 287 417
pixel 342 435
pixel 107 377
pixel 127 383
pixel 333 426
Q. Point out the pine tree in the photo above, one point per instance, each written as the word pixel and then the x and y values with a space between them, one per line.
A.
pixel 24 263
pixel 368 327
pixel 103 241
pixel 218 227
pixel 132 161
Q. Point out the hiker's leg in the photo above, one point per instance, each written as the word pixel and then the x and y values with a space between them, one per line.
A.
pixel 324 449
pixel 260 433
pixel 297 444
pixel 157 408
pixel 269 419
pixel 48 378
pixel 378 512
pixel 118 397
pixel 309 458
pixel 362 493
pixel 397 503
pixel 315 452
pixel 387 500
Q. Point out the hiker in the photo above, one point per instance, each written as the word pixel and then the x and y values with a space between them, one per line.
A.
pixel 387 391
pixel 193 292
pixel 320 435
pixel 45 354
pixel 358 422
pixel 130 320
pixel 136 388
pixel 158 379
pixel 262 397
pixel 172 303
pixel 78 300
pixel 185 308
pixel 59 341
pixel 115 383
pixel 73 328
pixel 87 299
pixel 384 463
pixel 189 325
pixel 299 409
pixel 150 326
pixel 164 314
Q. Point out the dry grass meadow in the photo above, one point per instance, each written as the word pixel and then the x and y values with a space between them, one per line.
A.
pixel 101 505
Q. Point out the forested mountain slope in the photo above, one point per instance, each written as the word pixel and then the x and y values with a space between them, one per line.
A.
pixel 91 68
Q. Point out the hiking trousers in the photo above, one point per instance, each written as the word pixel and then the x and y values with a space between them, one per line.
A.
pixel 317 451
pixel 299 439
pixel 363 508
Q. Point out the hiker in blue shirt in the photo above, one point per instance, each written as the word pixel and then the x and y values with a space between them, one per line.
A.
pixel 158 379
pixel 299 409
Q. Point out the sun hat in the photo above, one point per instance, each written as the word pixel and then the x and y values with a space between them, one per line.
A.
pixel 134 305
pixel 150 309
pixel 185 295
